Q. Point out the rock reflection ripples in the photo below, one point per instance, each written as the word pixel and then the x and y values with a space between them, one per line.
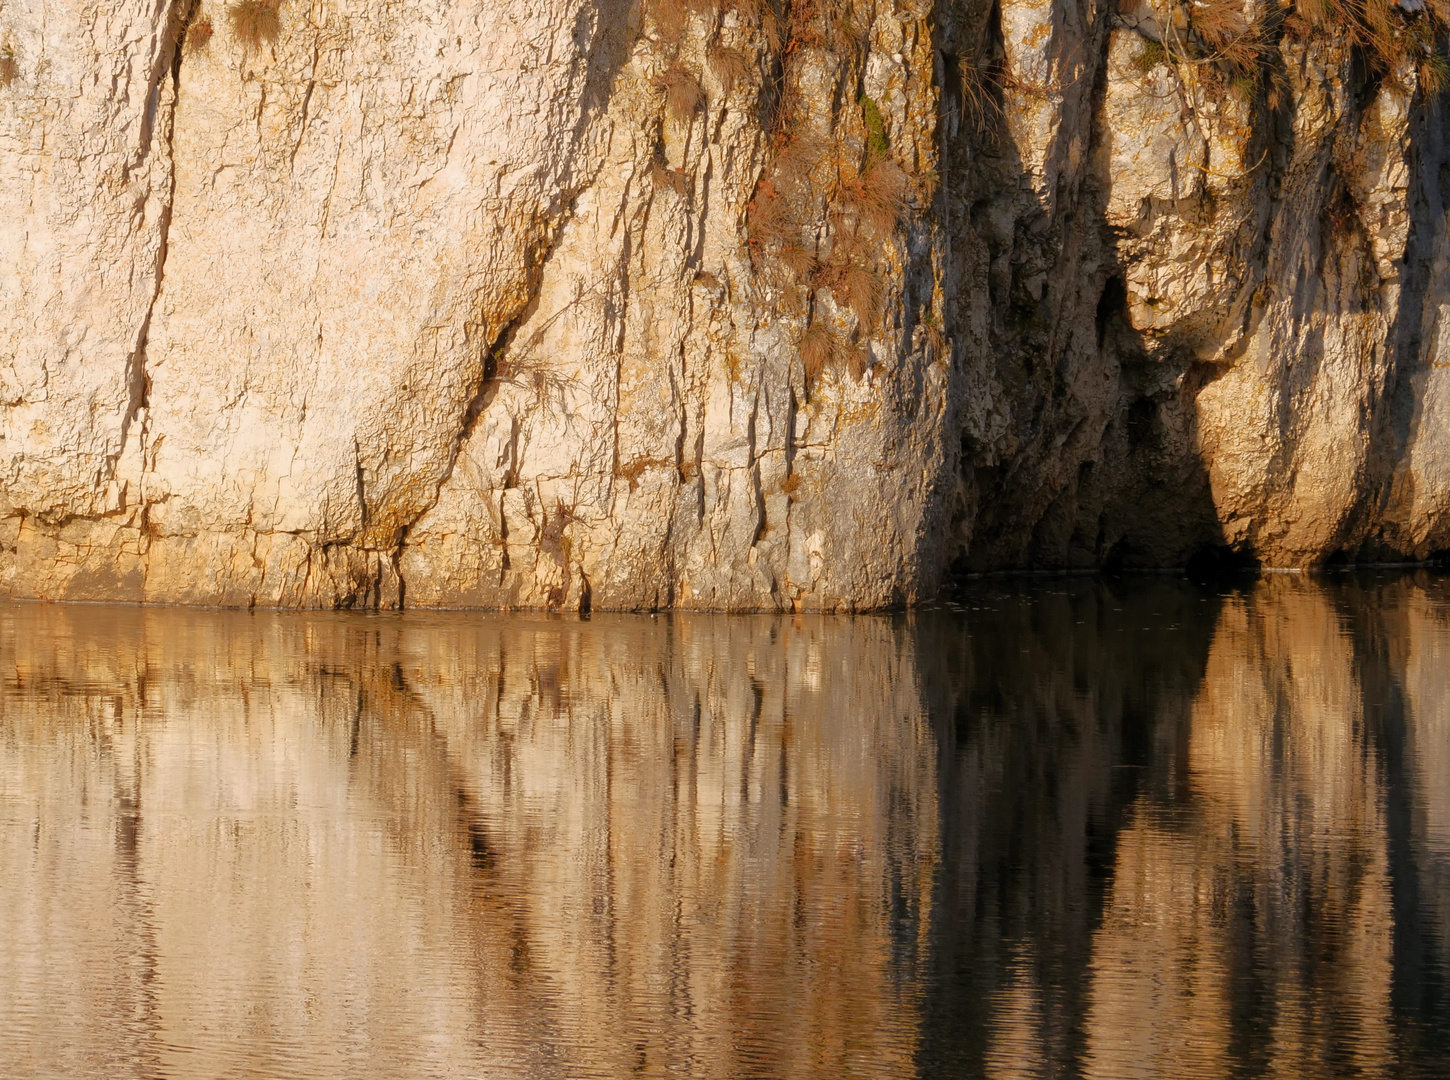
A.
pixel 1098 830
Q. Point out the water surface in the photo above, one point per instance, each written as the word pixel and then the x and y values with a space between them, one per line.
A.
pixel 1081 829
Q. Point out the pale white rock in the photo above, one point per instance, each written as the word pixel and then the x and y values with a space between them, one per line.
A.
pixel 444 303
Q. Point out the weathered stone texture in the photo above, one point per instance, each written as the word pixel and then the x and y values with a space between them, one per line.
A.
pixel 453 302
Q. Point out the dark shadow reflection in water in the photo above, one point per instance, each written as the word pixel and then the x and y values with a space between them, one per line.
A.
pixel 1192 835
pixel 1084 829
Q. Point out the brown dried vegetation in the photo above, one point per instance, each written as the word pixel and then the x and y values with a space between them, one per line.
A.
pixel 1390 34
pixel 828 205
pixel 832 195
pixel 731 66
pixel 198 35
pixel 637 468
pixel 981 94
pixel 798 261
pixel 876 197
pixel 669 17
pixel 818 349
pixel 858 287
pixel 255 21
pixel 676 180
pixel 9 67
pixel 1233 44
pixel 682 92
pixel 750 11
pixel 1228 37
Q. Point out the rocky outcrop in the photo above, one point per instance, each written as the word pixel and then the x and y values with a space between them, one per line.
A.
pixel 717 304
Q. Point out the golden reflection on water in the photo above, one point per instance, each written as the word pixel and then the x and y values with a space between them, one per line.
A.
pixel 1099 830
pixel 423 846
pixel 1284 814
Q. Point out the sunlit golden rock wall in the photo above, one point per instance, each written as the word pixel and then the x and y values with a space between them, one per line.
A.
pixel 727 305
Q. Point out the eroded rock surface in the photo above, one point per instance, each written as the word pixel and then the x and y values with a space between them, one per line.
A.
pixel 720 305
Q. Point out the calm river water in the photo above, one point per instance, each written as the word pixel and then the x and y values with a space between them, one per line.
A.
pixel 1134 829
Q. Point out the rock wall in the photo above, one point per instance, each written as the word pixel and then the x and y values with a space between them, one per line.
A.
pixel 715 304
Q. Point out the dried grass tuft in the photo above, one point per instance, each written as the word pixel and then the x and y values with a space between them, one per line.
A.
pixel 769 221
pixel 1389 33
pixel 981 96
pixel 682 92
pixel 818 349
pixel 748 10
pixel 9 67
pixel 198 35
pixel 858 288
pixel 1232 39
pixel 669 20
pixel 798 261
pixel 938 343
pixel 772 30
pixel 877 197
pixel 255 21
pixel 731 66
pixel 664 177
pixel 1434 74
pixel 803 151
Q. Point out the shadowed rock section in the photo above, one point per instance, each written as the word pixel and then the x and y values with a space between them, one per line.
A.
pixel 726 305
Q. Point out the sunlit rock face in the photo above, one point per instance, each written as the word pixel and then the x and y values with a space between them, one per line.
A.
pixel 639 305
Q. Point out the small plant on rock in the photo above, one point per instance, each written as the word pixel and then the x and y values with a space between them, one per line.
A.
pixel 682 92
pixel 875 126
pixel 818 349
pixel 255 21
pixel 731 66
pixel 1152 55
pixel 198 34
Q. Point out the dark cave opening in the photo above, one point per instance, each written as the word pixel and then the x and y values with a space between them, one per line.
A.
pixel 1112 302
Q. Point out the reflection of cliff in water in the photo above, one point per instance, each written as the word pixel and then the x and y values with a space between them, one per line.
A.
pixel 1186 835
pixel 1055 710
pixel 440 847
pixel 1099 830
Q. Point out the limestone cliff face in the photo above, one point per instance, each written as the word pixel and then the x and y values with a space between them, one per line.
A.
pixel 714 304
